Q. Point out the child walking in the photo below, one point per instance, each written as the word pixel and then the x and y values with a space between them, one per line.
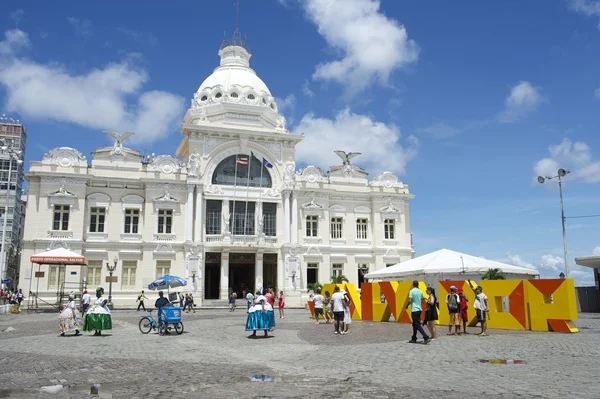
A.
pixel 281 304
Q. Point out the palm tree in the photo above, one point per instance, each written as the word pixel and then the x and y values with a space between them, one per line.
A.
pixel 339 279
pixel 494 274
pixel 314 287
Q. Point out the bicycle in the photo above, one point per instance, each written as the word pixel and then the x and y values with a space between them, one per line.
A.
pixel 148 323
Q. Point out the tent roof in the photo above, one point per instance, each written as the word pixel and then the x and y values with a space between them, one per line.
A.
pixel 447 262
pixel 589 261
pixel 58 256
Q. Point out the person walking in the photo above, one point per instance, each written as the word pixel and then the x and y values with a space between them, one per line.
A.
pixel 415 298
pixel 232 297
pixel 318 300
pixel 453 303
pixel 431 313
pixel 85 302
pixel 338 311
pixel 70 319
pixel 140 299
pixel 190 303
pixel 281 304
pixel 20 298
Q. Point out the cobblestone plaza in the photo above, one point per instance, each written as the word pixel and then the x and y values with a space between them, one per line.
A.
pixel 214 358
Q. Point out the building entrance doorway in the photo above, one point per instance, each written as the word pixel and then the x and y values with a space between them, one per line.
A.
pixel 212 275
pixel 270 272
pixel 241 273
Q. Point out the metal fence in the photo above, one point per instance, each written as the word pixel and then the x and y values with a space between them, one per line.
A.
pixel 587 297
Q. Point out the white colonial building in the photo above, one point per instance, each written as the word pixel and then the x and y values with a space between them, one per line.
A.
pixel 229 211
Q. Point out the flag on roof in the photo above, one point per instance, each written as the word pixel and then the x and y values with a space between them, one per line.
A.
pixel 241 160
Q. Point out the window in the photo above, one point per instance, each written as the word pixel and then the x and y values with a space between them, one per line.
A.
pixel 242 222
pixel 132 219
pixel 388 228
pixel 251 97
pixel 389 264
pixel 53 277
pixel 312 273
pixel 163 267
pixel 361 228
pixel 232 173
pixel 165 220
pixel 97 216
pixel 336 227
pixel 128 278
pixel 61 217
pixel 234 95
pixel 204 98
pixel 312 224
pixel 218 95
pixel 338 269
pixel 269 219
pixel 94 272
pixel 213 217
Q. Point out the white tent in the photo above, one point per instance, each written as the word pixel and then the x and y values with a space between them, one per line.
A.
pixel 58 256
pixel 448 265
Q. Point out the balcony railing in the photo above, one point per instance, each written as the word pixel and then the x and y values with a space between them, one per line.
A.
pixel 164 237
pixel 60 234
pixel 240 239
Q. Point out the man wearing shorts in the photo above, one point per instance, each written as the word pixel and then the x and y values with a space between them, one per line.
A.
pixel 318 300
pixel 338 311
pixel 453 303
pixel 481 306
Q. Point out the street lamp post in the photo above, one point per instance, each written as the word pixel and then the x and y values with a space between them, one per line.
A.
pixel 561 173
pixel 12 154
pixel 111 270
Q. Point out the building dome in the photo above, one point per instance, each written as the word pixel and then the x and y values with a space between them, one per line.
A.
pixel 234 81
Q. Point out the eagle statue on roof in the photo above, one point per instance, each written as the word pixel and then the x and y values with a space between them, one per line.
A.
pixel 346 156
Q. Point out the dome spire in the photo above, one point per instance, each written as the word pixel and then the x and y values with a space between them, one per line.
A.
pixel 236 38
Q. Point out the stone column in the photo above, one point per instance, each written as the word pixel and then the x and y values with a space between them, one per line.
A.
pixel 286 216
pixel 294 235
pixel 281 271
pixel 224 289
pixel 258 271
pixel 189 213
pixel 198 220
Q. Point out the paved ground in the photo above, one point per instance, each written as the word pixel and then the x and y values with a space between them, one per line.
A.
pixel 214 358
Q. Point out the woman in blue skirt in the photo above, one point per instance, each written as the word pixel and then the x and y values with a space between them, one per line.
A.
pixel 260 316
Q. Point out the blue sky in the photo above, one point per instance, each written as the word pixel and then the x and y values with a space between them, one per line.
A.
pixel 466 101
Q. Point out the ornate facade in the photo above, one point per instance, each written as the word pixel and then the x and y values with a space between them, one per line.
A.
pixel 229 212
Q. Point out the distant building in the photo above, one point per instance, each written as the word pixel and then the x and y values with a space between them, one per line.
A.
pixel 14 136
pixel 230 212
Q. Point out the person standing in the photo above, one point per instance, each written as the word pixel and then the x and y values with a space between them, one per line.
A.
pixel 281 304
pixel 338 311
pixel 232 302
pixel 481 307
pixel 85 302
pixel 98 317
pixel 249 301
pixel 328 311
pixel 260 316
pixel 347 315
pixel 431 313
pixel 453 303
pixel 415 298
pixel 318 300
pixel 140 299
pixel 463 309
pixel 20 298
pixel 69 319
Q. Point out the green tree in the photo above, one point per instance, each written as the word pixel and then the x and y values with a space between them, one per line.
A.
pixel 340 279
pixel 494 274
pixel 314 287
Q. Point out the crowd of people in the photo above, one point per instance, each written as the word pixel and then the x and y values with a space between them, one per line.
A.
pixel 457 305
pixel 337 310
pixel 12 297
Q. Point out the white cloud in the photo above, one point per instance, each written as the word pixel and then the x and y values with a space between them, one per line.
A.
pixel 378 142
pixel 523 99
pixel 106 98
pixel 586 7
pixel 517 261
pixel 83 27
pixel 550 266
pixel 16 16
pixel 596 251
pixel 306 90
pixel 14 41
pixel 439 131
pixel 575 156
pixel 371 45
pixel 287 106
pixel 553 262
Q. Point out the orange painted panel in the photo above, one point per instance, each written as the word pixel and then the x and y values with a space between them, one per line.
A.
pixel 517 304
pixel 366 297
pixel 547 286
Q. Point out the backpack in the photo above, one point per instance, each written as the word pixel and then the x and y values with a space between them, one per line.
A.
pixel 452 302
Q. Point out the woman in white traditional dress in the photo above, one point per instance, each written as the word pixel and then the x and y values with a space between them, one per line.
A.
pixel 69 319
pixel 260 316
pixel 98 317
pixel 347 315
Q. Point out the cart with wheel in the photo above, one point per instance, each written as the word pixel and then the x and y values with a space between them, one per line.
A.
pixel 169 318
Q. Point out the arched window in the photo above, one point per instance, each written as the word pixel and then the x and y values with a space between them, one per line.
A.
pixel 225 173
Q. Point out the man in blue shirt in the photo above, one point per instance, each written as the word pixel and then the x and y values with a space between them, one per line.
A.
pixel 415 298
